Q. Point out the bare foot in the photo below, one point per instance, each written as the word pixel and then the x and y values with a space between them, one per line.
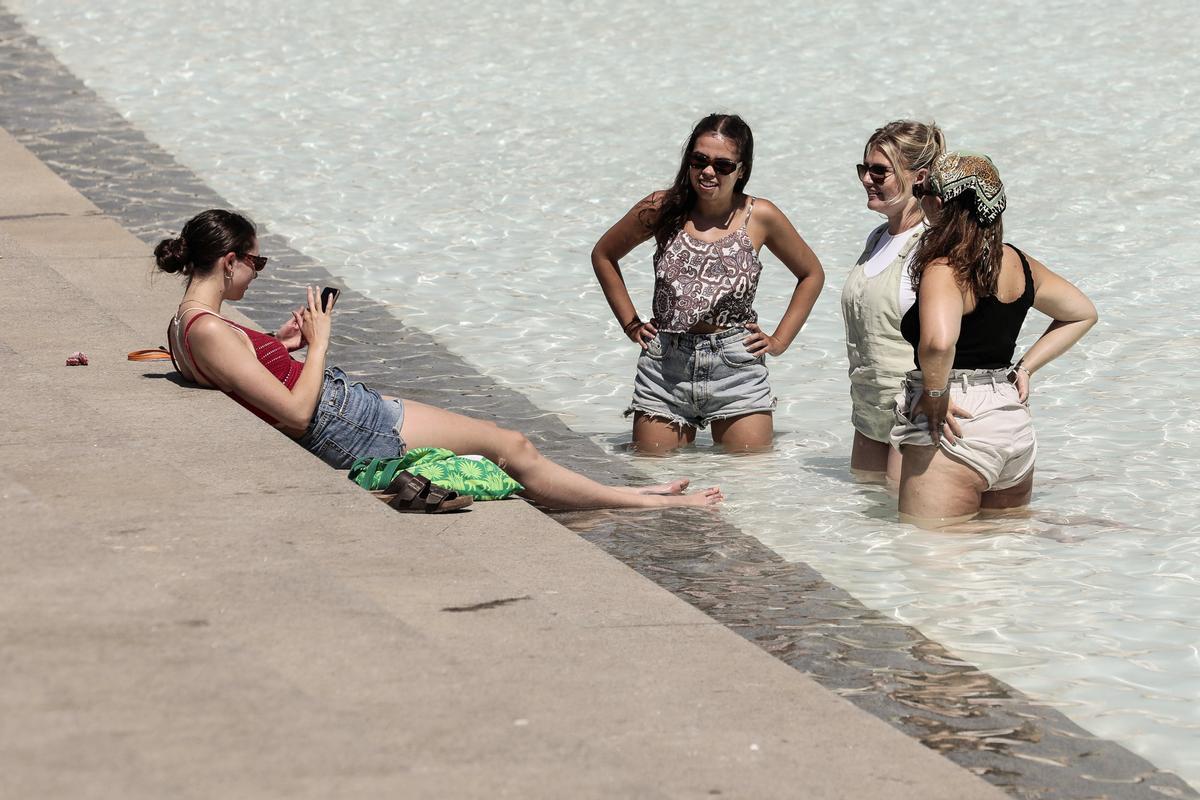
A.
pixel 678 486
pixel 708 497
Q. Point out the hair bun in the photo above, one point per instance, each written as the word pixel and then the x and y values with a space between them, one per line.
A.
pixel 172 255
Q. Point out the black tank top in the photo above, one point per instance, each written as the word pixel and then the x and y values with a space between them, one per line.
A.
pixel 988 335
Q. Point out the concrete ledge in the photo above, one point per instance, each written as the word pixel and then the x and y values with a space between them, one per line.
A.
pixel 194 606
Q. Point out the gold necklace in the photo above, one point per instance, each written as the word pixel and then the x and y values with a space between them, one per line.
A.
pixel 180 311
pixel 197 302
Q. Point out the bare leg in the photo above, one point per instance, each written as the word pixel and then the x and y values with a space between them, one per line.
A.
pixel 1012 497
pixel 546 482
pixel 656 435
pixel 747 432
pixel 895 465
pixel 677 486
pixel 936 490
pixel 870 460
pixel 868 457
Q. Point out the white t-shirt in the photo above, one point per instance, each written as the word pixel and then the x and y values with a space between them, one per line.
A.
pixel 886 250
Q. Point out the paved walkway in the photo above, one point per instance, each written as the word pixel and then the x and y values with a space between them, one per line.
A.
pixel 192 606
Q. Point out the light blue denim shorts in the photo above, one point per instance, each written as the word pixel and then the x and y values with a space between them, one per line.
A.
pixel 353 421
pixel 694 378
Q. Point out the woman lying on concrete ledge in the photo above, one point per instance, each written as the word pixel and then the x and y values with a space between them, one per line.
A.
pixel 333 417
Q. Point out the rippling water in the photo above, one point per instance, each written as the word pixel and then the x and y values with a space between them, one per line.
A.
pixel 459 161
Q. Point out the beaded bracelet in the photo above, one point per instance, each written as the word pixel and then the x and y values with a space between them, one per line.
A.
pixel 633 323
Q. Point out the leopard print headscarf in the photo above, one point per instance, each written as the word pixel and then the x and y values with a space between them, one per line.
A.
pixel 955 173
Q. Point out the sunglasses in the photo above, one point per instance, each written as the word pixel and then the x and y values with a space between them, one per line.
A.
pixel 258 262
pixel 920 190
pixel 721 166
pixel 878 171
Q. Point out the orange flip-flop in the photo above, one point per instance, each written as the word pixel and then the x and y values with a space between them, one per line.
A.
pixel 152 354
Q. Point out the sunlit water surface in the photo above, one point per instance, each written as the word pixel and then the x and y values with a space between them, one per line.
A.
pixel 458 161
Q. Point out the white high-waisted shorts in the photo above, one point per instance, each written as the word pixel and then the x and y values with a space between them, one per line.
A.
pixel 998 441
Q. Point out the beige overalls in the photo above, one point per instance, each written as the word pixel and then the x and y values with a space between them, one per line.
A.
pixel 879 357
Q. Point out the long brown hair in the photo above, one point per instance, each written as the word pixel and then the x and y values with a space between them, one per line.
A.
pixel 973 251
pixel 667 218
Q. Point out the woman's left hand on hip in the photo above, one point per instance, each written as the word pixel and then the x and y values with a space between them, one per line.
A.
pixel 760 343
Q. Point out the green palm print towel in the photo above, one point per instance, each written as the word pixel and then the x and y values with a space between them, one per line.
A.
pixel 472 475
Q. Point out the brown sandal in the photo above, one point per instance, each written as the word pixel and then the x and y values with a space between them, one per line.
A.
pixel 412 493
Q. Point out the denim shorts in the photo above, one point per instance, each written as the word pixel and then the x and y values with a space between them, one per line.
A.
pixel 997 441
pixel 693 378
pixel 352 421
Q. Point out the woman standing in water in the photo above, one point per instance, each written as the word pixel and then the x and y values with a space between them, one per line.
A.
pixel 328 414
pixel 973 293
pixel 703 356
pixel 878 291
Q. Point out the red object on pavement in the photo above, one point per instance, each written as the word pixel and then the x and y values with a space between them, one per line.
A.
pixel 77 359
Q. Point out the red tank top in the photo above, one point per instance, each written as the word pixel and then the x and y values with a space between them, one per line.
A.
pixel 271 354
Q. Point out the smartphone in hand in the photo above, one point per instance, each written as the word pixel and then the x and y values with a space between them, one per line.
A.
pixel 329 296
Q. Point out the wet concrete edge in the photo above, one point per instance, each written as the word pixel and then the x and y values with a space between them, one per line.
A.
pixel 787 608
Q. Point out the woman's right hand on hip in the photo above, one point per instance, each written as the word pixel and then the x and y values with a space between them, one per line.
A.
pixel 642 334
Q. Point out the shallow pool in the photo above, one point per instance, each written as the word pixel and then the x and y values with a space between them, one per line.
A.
pixel 458 162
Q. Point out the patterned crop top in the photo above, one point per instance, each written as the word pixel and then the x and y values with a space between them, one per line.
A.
pixel 706 282
pixel 270 351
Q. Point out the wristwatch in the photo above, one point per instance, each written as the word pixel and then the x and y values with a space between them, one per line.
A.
pixel 937 392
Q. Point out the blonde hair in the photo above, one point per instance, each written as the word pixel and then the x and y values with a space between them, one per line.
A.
pixel 909 146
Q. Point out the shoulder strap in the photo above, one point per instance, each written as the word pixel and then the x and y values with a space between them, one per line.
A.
pixel 910 244
pixel 1025 268
pixel 872 239
pixel 171 346
pixel 187 346
pixel 749 211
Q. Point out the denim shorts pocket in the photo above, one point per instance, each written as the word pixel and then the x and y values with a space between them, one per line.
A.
pixel 654 349
pixel 334 454
pixel 734 354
